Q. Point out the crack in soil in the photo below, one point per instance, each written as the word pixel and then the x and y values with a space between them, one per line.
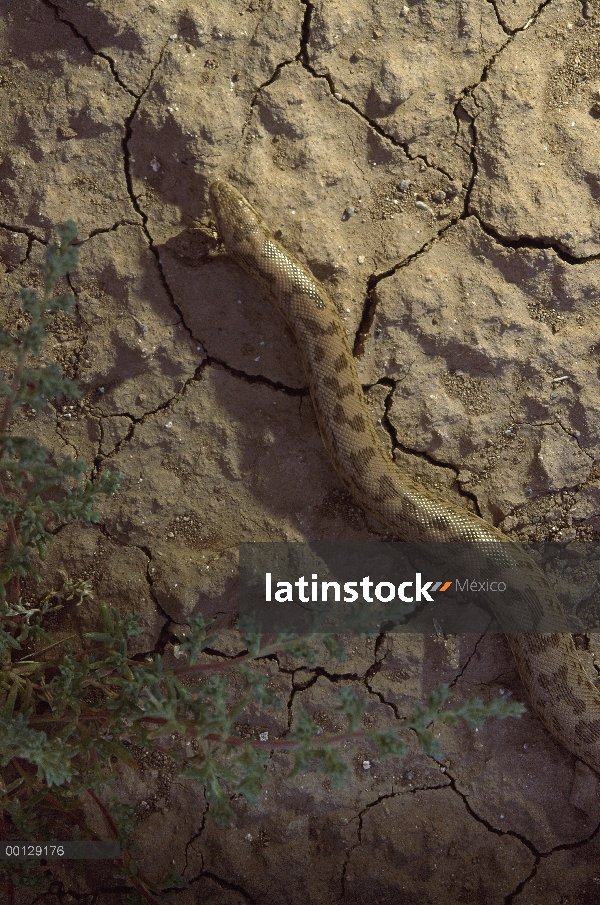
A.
pixel 89 45
pixel 108 229
pixel 424 455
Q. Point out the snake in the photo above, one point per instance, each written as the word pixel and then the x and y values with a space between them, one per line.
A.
pixel 559 689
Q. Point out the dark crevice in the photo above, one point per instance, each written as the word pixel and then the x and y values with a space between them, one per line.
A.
pixel 319 672
pixel 511 32
pixel 290 706
pixel 303 58
pixel 100 421
pixel 370 303
pixel 465 666
pixel 128 133
pixel 196 835
pixel 489 826
pixel 145 550
pixel 31 236
pixel 527 242
pixel 467 94
pixel 256 378
pixel 427 457
pixel 497 832
pixel 380 695
pixel 385 421
pixel 225 884
pixel 141 419
pixel 368 313
pixel 275 74
pixel 423 157
pixel 372 804
pixel 89 46
pixel 219 655
pixel 165 636
pixel 521 886
pixel 305 33
pixel 128 130
pixel 110 229
pixel 360 817
pixel 567 846
pixel 30 242
pixel 505 28
pixel 460 111
pixel 402 146
pixel 272 78
pixel 538 856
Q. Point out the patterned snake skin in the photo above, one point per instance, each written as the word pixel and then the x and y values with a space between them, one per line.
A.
pixel 559 689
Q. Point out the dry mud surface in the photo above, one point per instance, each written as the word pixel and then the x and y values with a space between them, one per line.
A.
pixel 437 166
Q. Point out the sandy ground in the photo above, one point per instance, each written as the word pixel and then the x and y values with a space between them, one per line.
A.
pixel 437 166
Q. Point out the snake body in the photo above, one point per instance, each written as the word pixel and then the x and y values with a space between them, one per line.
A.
pixel 560 691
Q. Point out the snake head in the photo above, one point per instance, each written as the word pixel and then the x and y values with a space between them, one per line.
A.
pixel 240 227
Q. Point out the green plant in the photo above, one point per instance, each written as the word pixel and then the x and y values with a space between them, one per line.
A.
pixel 27 475
pixel 65 716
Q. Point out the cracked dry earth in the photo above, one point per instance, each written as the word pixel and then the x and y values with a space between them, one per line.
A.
pixel 437 165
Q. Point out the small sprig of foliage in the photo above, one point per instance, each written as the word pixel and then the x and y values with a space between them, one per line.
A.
pixel 65 717
pixel 27 475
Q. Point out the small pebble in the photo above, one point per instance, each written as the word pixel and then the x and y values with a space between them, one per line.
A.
pixel 349 211
pixel 361 259
pixel 366 764
pixel 404 185
pixel 423 207
pixel 439 196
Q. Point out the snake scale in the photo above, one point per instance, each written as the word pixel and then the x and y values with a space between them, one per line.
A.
pixel 560 691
